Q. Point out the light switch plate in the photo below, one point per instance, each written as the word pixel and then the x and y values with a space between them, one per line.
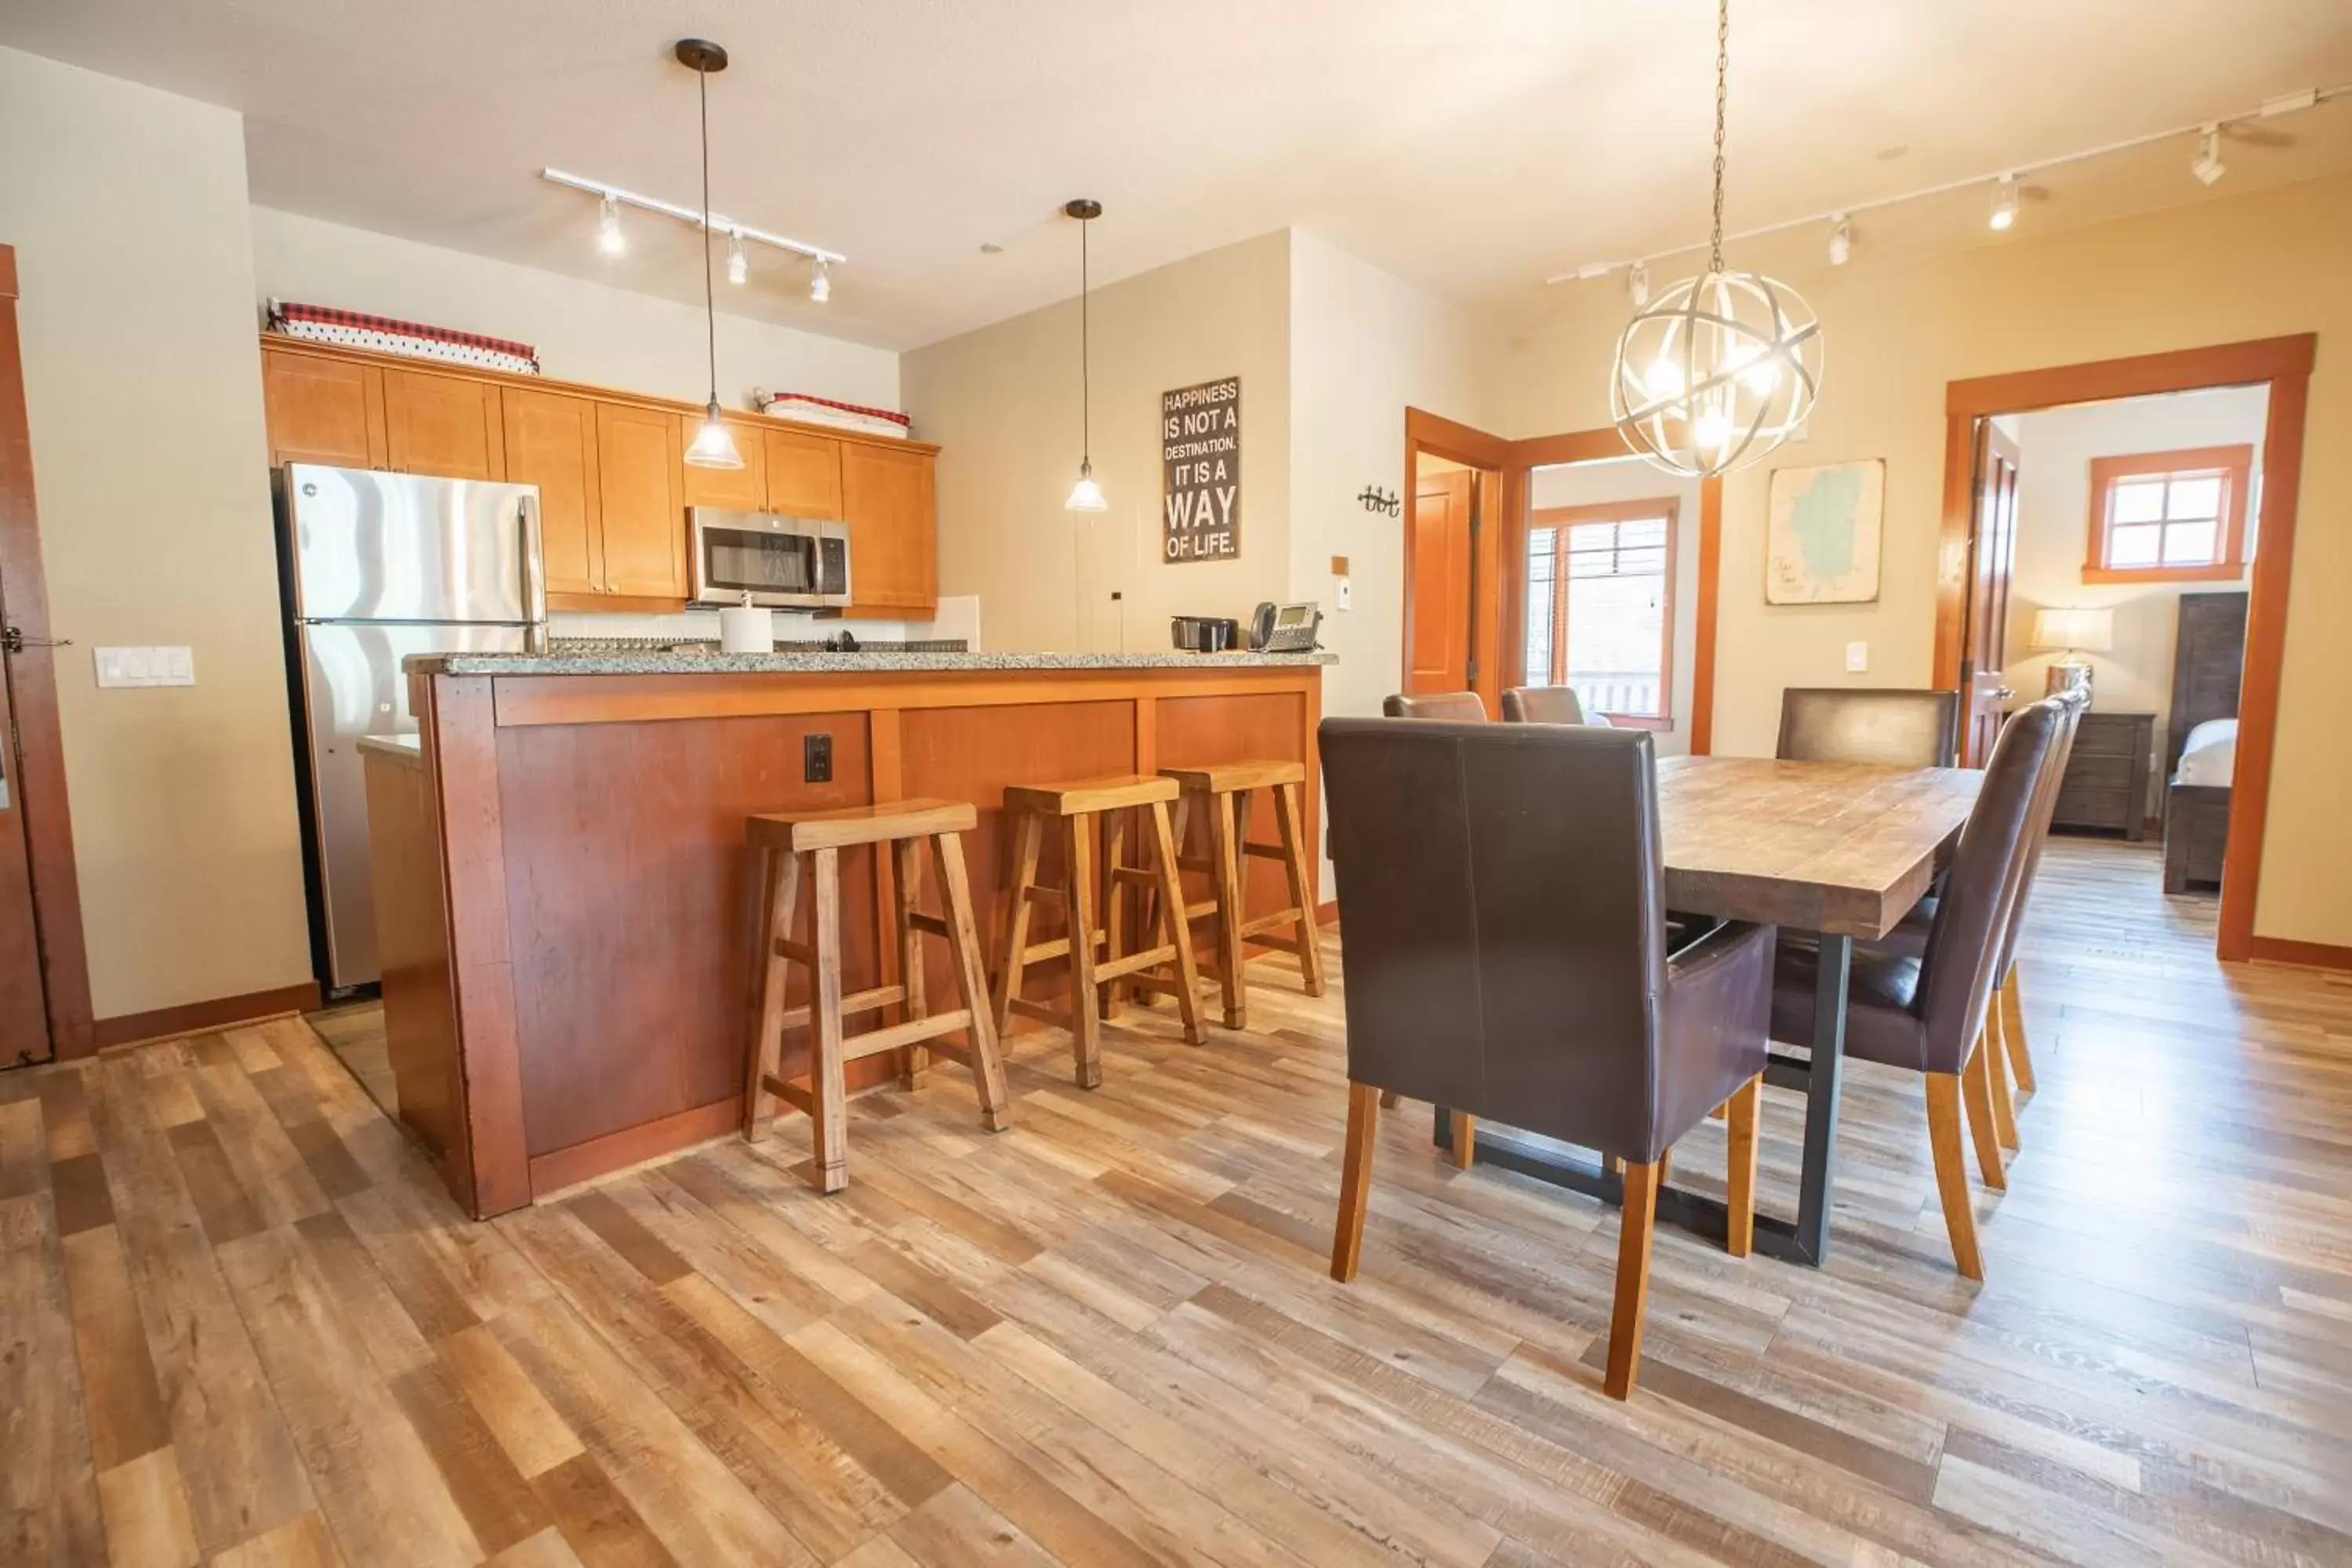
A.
pixel 1346 594
pixel 1857 658
pixel 145 665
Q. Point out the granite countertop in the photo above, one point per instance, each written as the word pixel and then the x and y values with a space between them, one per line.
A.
pixel 863 662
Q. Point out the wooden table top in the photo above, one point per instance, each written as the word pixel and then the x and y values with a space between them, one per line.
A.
pixel 1842 848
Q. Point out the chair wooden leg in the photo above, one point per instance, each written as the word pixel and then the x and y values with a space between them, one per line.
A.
pixel 1389 1099
pixel 1951 1171
pixel 1291 817
pixel 1225 853
pixel 1745 1107
pixel 963 944
pixel 780 887
pixel 1114 906
pixel 2013 1032
pixel 828 1096
pixel 1996 1056
pixel 1632 1303
pixel 1173 928
pixel 1355 1180
pixel 1664 1171
pixel 1976 1082
pixel 1028 838
pixel 1465 1139
pixel 1086 1030
pixel 907 885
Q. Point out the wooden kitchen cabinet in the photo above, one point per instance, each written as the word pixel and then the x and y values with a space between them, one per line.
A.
pixel 738 489
pixel 323 410
pixel 640 490
pixel 551 442
pixel 886 500
pixel 804 474
pixel 447 426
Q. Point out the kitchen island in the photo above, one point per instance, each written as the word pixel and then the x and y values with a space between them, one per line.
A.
pixel 566 900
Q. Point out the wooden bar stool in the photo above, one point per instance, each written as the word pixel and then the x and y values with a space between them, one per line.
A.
pixel 1071 809
pixel 783 839
pixel 1222 791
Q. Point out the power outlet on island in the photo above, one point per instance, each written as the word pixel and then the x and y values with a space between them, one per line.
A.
pixel 817 758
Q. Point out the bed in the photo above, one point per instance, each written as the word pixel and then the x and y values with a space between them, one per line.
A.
pixel 2201 737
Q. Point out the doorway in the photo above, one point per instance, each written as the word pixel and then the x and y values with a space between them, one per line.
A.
pixel 1460 505
pixel 2177 515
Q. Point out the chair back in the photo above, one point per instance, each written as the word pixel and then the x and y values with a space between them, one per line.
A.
pixel 1453 707
pixel 2053 778
pixel 1843 724
pixel 1505 904
pixel 1957 969
pixel 1542 705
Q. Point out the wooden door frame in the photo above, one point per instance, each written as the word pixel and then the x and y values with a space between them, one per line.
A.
pixel 40 769
pixel 2282 364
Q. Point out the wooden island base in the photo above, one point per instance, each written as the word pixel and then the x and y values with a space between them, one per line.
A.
pixel 567 900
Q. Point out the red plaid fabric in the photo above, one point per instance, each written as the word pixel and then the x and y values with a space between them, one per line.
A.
pixel 288 315
pixel 891 415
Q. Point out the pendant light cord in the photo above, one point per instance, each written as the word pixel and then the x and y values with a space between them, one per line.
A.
pixel 1722 81
pixel 710 300
pixel 1085 360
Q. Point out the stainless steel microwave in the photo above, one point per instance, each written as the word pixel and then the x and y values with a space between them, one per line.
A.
pixel 786 563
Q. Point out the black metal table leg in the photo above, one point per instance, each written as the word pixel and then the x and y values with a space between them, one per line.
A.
pixel 1821 1097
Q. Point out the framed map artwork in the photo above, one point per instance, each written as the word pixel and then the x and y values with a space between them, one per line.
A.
pixel 1822 533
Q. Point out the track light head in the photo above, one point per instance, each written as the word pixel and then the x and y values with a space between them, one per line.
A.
pixel 609 237
pixel 1840 241
pixel 2207 166
pixel 1637 284
pixel 2005 203
pixel 739 266
pixel 819 282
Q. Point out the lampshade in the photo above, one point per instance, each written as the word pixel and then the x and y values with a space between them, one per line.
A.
pixel 2085 631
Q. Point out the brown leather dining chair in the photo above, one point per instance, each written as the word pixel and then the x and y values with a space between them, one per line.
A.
pixel 1457 707
pixel 1542 705
pixel 1925 1012
pixel 1852 724
pixel 1507 957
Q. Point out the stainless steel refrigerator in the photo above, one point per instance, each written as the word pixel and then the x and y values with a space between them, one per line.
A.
pixel 378 567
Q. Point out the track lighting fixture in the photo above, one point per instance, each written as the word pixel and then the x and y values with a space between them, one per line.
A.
pixel 2005 203
pixel 739 266
pixel 1840 242
pixel 611 198
pixel 2207 166
pixel 609 238
pixel 819 282
pixel 1637 284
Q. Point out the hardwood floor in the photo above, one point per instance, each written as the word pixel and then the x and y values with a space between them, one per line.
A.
pixel 240 1323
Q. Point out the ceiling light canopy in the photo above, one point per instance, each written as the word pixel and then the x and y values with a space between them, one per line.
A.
pixel 714 444
pixel 1085 495
pixel 1720 368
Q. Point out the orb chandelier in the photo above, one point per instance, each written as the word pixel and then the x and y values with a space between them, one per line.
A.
pixel 1716 370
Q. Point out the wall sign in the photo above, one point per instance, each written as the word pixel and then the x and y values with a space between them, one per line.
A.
pixel 1200 470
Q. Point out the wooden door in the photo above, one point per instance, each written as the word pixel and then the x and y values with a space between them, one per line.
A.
pixel 551 442
pixel 1993 553
pixel 804 474
pixel 1438 585
pixel 24 1004
pixel 885 498
pixel 639 498
pixel 446 425
pixel 738 489
pixel 323 410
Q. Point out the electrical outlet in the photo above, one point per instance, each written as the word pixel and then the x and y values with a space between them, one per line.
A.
pixel 1345 594
pixel 817 758
pixel 1857 658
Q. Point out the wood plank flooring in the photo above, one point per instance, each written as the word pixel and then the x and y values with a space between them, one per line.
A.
pixel 241 1323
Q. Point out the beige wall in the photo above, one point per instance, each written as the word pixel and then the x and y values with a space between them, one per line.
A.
pixel 2054 452
pixel 128 210
pixel 1004 400
pixel 2256 266
pixel 583 330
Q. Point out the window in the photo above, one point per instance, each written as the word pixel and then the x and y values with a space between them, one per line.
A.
pixel 2177 516
pixel 1601 607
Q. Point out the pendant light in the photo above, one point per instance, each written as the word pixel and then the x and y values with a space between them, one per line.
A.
pixel 714 444
pixel 1085 495
pixel 1719 368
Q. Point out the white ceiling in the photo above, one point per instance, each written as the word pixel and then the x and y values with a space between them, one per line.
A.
pixel 1473 149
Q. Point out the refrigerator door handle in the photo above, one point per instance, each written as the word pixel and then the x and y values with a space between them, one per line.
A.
pixel 534 577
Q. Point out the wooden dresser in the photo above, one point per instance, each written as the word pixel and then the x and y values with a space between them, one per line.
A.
pixel 2105 785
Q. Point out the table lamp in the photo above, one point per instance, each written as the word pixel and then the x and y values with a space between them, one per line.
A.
pixel 2074 632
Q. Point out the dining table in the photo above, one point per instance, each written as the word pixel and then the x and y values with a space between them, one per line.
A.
pixel 1840 852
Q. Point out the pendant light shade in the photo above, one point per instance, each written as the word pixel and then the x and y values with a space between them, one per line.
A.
pixel 1716 371
pixel 1085 495
pixel 714 444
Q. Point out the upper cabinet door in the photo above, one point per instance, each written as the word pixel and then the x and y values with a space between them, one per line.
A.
pixel 804 474
pixel 639 483
pixel 323 410
pixel 443 424
pixel 551 442
pixel 738 489
pixel 885 498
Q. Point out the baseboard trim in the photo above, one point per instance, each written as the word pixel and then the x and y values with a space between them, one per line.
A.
pixel 203 1017
pixel 2310 954
pixel 1328 914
